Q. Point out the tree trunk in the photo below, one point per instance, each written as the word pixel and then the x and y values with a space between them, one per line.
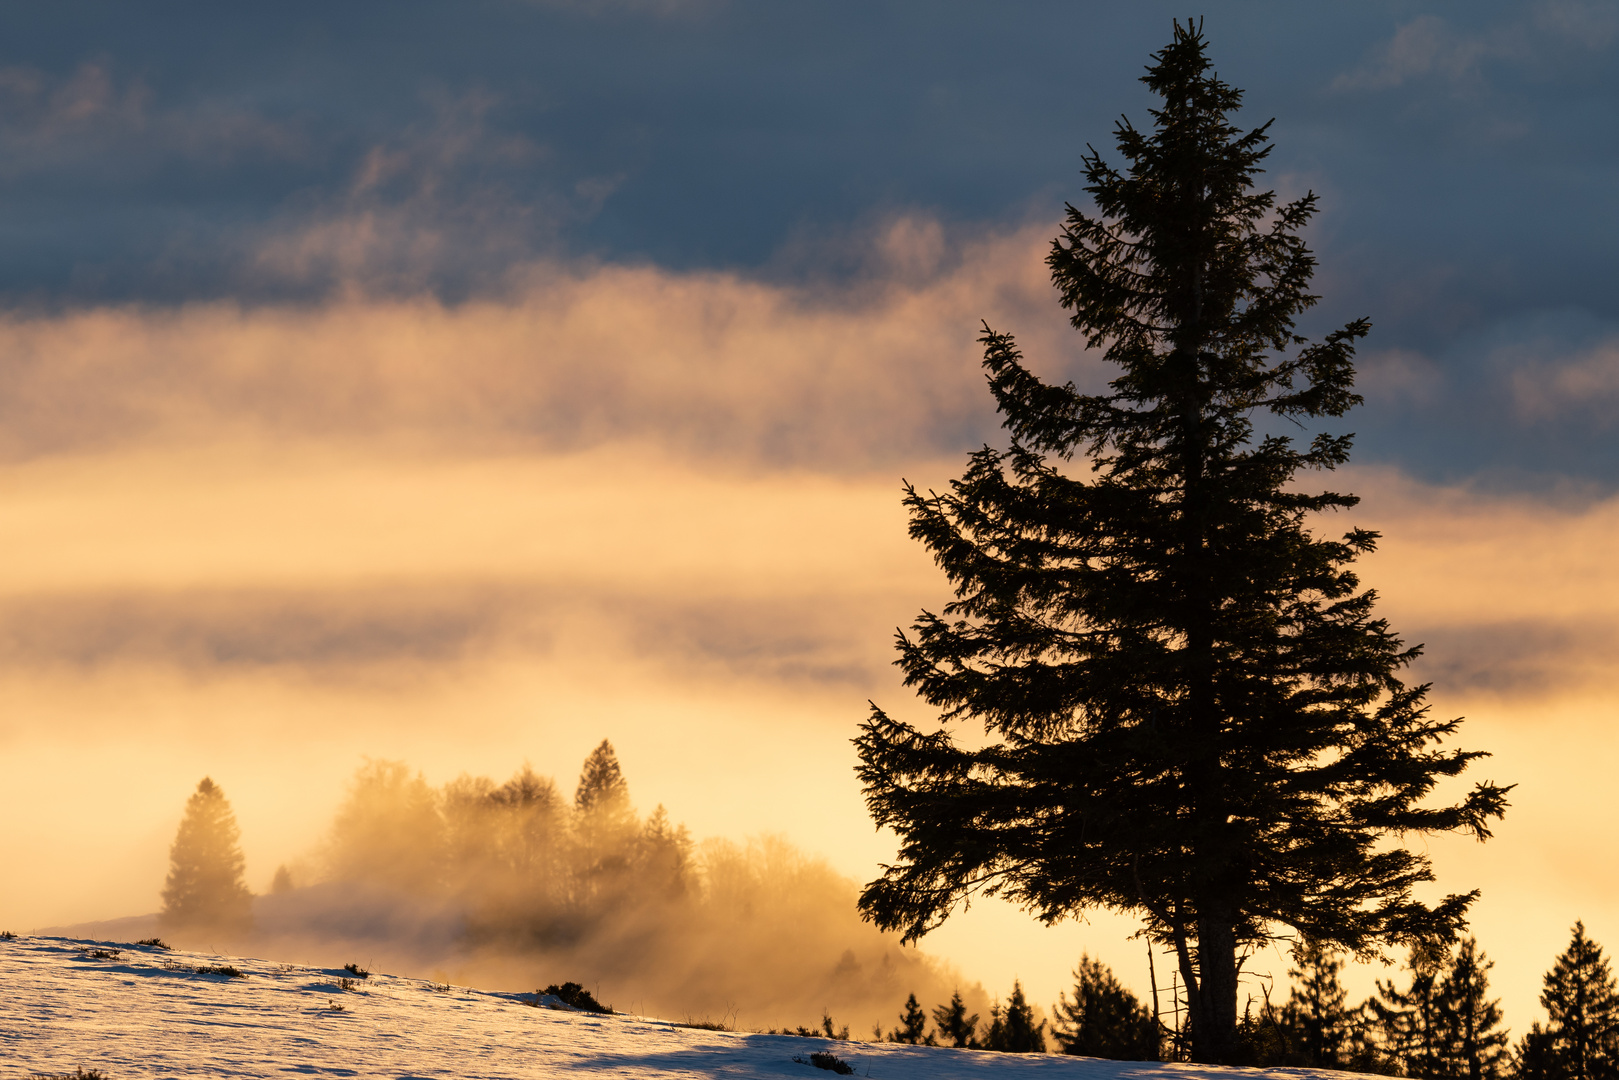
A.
pixel 1214 1023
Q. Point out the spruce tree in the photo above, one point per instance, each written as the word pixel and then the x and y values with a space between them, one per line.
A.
pixel 913 1025
pixel 1318 1012
pixel 1581 1038
pixel 995 1033
pixel 605 826
pixel 1104 1020
pixel 1409 1018
pixel 1471 1043
pixel 954 1024
pixel 602 790
pixel 205 889
pixel 1194 714
pixel 1021 1035
pixel 1536 1057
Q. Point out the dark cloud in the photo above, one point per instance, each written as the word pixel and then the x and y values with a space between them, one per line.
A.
pixel 192 152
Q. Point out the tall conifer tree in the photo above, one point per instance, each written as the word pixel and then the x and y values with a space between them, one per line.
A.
pixel 204 889
pixel 1472 1043
pixel 604 820
pixel 1581 1038
pixel 1194 713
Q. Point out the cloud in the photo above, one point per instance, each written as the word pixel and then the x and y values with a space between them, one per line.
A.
pixel 1593 25
pixel 1428 48
pixel 1425 46
pixel 1552 389
pixel 409 631
pixel 51 122
pixel 1402 377
pixel 710 365
pixel 437 202
pixel 1515 595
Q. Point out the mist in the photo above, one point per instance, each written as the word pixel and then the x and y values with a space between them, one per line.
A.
pixel 516 885
pixel 260 542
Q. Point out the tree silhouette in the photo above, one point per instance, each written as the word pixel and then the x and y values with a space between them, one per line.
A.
pixel 204 889
pixel 954 1024
pixel 1581 1039
pixel 1013 1031
pixel 606 832
pixel 1104 1020
pixel 1318 1010
pixel 602 790
pixel 1194 714
pixel 1409 1018
pixel 913 1026
pixel 1472 1044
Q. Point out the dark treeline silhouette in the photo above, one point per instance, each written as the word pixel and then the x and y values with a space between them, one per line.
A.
pixel 1438 1023
pixel 515 885
pixel 1013 1029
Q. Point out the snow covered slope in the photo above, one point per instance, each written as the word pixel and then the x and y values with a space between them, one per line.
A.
pixel 128 1011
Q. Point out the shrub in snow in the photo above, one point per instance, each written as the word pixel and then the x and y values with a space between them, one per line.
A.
pixel 571 993
pixel 824 1060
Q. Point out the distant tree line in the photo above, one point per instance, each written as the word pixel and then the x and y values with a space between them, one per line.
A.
pixel 519 875
pixel 1440 1023
pixel 1011 1029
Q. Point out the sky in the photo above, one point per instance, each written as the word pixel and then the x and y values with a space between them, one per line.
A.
pixel 464 384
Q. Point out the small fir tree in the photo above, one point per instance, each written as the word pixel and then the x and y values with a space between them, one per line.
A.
pixel 1470 1041
pixel 1318 1011
pixel 1408 1020
pixel 1536 1057
pixel 205 889
pixel 913 1026
pixel 954 1025
pixel 1363 1051
pixel 1104 1020
pixel 1014 1031
pixel 995 1033
pixel 1194 713
pixel 1582 1009
pixel 840 1034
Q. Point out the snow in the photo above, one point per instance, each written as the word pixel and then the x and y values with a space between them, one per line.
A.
pixel 128 1015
